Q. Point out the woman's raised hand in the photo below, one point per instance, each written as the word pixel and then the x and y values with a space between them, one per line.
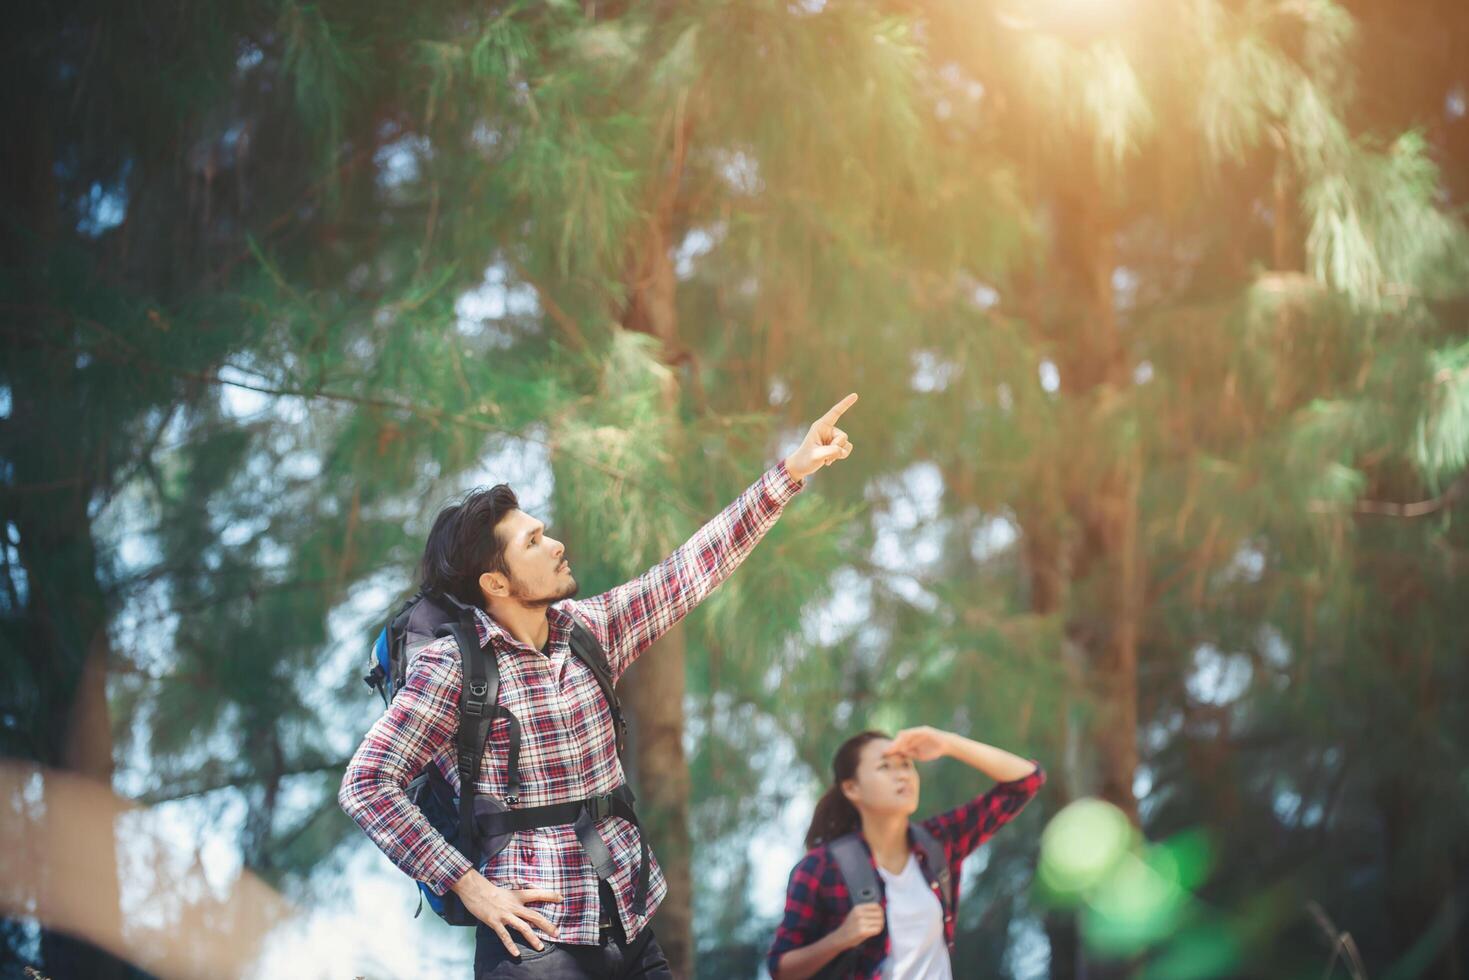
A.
pixel 923 744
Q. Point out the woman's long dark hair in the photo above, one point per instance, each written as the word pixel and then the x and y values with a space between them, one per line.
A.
pixel 835 815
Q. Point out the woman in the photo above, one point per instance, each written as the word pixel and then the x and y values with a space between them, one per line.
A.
pixel 906 934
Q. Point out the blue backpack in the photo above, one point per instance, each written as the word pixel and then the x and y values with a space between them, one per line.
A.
pixel 481 826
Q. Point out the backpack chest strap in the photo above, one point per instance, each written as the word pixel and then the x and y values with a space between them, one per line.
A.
pixel 477 712
pixel 583 816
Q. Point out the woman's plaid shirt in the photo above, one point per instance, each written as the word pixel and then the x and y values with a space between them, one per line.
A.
pixel 568 751
pixel 817 900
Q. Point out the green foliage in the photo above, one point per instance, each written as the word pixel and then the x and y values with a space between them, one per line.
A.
pixel 1442 446
pixel 322 68
pixel 1156 300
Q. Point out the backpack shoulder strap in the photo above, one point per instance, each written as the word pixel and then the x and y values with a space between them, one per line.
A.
pixel 854 864
pixel 586 649
pixel 935 865
pixel 477 694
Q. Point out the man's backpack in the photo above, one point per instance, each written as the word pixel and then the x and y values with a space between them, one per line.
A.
pixel 480 827
pixel 854 864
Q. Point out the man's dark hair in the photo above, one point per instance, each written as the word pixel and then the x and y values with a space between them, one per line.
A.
pixel 463 544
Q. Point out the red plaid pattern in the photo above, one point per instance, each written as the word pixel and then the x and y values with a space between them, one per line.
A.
pixel 817 899
pixel 568 751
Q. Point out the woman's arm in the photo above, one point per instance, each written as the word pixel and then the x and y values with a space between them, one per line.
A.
pixel 970 824
pixel 926 744
pixel 805 940
pixel 860 925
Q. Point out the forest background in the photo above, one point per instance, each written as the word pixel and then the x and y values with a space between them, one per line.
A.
pixel 1160 317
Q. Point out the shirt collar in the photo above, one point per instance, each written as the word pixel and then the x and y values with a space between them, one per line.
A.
pixel 557 618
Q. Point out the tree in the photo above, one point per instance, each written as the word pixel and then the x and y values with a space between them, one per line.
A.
pixel 1156 328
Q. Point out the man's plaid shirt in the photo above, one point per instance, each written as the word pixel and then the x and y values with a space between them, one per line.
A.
pixel 568 750
pixel 817 900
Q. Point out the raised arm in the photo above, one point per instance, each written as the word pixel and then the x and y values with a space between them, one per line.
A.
pixel 630 617
pixel 969 825
pixel 926 744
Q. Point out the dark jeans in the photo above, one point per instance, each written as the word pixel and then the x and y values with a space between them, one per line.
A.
pixel 614 959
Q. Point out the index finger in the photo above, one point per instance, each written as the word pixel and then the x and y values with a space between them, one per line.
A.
pixel 538 895
pixel 839 409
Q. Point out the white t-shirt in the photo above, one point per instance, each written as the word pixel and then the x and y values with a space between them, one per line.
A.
pixel 915 927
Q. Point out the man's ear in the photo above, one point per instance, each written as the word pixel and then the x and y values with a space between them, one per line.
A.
pixel 494 585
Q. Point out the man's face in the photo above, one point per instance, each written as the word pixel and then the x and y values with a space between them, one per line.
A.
pixel 539 571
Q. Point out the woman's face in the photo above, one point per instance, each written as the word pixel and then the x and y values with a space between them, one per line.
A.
pixel 885 782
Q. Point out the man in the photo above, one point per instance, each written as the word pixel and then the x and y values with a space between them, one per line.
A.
pixel 488 554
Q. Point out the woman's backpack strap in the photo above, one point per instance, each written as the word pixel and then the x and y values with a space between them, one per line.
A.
pixel 854 864
pixel 935 866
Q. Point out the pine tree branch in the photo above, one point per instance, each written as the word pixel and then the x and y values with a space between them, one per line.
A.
pixel 1420 508
pixel 553 309
pixel 359 155
pixel 205 785
pixel 144 456
pixel 327 805
pixel 432 415
pixel 49 486
pixel 428 413
pixel 1343 946
pixel 254 591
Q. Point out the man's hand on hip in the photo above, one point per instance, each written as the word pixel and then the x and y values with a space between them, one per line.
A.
pixel 502 909
pixel 824 443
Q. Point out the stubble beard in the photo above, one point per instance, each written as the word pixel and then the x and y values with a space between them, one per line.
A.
pixel 520 595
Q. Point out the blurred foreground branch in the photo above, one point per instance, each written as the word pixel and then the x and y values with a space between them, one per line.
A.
pixel 52 828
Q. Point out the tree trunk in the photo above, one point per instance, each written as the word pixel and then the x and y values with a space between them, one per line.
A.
pixel 64 616
pixel 1046 577
pixel 1096 373
pixel 1105 575
pixel 654 687
pixel 653 690
pixel 1425 887
pixel 1115 666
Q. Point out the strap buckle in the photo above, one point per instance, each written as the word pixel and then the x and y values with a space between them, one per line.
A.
pixel 599 807
pixel 512 800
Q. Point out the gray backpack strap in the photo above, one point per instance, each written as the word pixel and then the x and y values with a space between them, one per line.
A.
pixel 854 864
pixel 935 866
